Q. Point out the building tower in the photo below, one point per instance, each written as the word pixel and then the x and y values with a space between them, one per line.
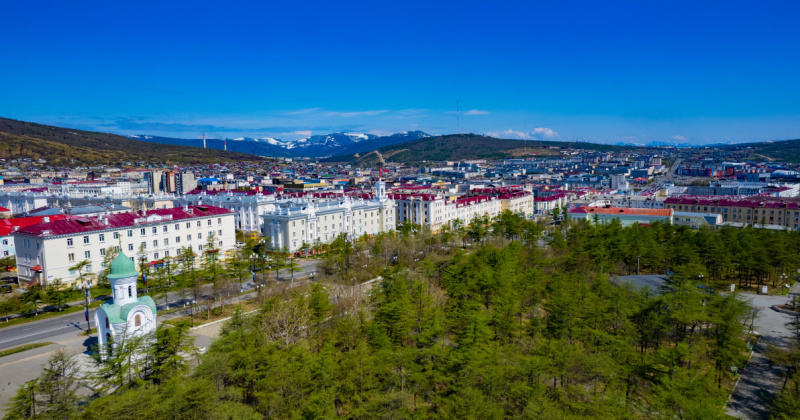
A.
pixel 126 314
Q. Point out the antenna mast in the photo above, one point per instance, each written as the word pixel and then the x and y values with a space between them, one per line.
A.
pixel 204 140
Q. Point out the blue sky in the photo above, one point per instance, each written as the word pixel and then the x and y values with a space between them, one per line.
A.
pixel 694 72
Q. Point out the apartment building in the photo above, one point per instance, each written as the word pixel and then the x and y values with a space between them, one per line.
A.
pixel 248 207
pixel 758 210
pixel 434 211
pixel 320 220
pixel 47 250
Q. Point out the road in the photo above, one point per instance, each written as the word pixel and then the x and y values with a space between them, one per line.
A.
pixel 53 329
pixel 45 330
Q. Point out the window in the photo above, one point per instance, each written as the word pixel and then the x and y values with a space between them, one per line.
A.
pixel 219 221
pixel 107 326
pixel 177 239
pixel 130 247
pixel 155 229
pixel 102 237
pixel 200 235
pixel 5 241
pixel 198 223
pixel 219 232
pixel 209 222
pixel 130 234
pixel 155 255
pixel 166 241
pixel 116 235
pixel 188 237
pixel 199 247
pixel 85 240
pixel 188 225
pixel 177 226
pixel 166 254
pixel 130 293
pixel 155 243
pixel 71 257
pixel 69 241
pixel 102 251
pixel 137 320
pixel 220 243
pixel 144 245
pixel 142 231
pixel 165 229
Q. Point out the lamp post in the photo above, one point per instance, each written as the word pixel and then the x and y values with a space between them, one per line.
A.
pixel 86 285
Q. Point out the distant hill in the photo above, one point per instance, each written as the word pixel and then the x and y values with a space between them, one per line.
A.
pixel 463 147
pixel 313 147
pixel 67 146
pixel 783 150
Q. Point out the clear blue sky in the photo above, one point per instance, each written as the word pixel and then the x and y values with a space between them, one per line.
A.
pixel 637 71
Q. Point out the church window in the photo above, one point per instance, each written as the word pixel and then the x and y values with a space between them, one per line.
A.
pixel 130 293
pixel 138 320
pixel 107 324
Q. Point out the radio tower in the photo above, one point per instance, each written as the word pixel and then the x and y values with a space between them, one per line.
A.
pixel 204 140
pixel 225 143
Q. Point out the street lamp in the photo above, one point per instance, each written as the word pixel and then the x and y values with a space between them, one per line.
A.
pixel 86 285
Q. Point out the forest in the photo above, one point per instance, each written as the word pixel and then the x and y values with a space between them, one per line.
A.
pixel 493 319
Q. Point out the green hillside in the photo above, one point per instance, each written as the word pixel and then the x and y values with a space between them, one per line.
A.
pixel 784 150
pixel 66 146
pixel 462 147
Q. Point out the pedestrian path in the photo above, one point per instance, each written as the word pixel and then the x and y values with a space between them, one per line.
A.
pixel 760 381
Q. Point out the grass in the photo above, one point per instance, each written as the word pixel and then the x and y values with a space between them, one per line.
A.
pixel 45 315
pixel 216 313
pixel 20 349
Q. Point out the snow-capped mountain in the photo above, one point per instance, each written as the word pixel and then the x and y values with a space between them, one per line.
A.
pixel 313 146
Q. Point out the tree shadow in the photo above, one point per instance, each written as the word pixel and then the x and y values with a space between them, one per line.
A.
pixel 89 345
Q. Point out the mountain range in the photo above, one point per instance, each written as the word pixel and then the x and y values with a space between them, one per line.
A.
pixel 69 147
pixel 318 146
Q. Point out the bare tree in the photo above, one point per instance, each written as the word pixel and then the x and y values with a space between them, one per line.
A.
pixel 286 320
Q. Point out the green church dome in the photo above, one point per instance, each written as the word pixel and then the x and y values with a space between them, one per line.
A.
pixel 122 267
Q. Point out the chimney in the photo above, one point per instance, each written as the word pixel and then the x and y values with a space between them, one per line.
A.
pixel 45 219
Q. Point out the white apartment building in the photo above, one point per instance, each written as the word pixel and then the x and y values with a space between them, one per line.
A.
pixel 320 220
pixel 434 211
pixel 520 202
pixel 248 208
pixel 46 251
pixel 635 201
pixel 21 202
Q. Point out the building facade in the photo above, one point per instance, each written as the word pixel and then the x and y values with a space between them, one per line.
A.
pixel 309 221
pixel 773 211
pixel 47 251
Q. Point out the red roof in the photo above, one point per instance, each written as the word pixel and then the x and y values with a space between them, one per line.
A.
pixel 77 224
pixel 753 202
pixel 7 225
pixel 3 209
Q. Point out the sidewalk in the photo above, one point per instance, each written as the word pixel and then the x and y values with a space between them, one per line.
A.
pixel 760 380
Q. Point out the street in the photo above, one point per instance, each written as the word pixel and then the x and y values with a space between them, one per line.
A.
pixel 53 328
